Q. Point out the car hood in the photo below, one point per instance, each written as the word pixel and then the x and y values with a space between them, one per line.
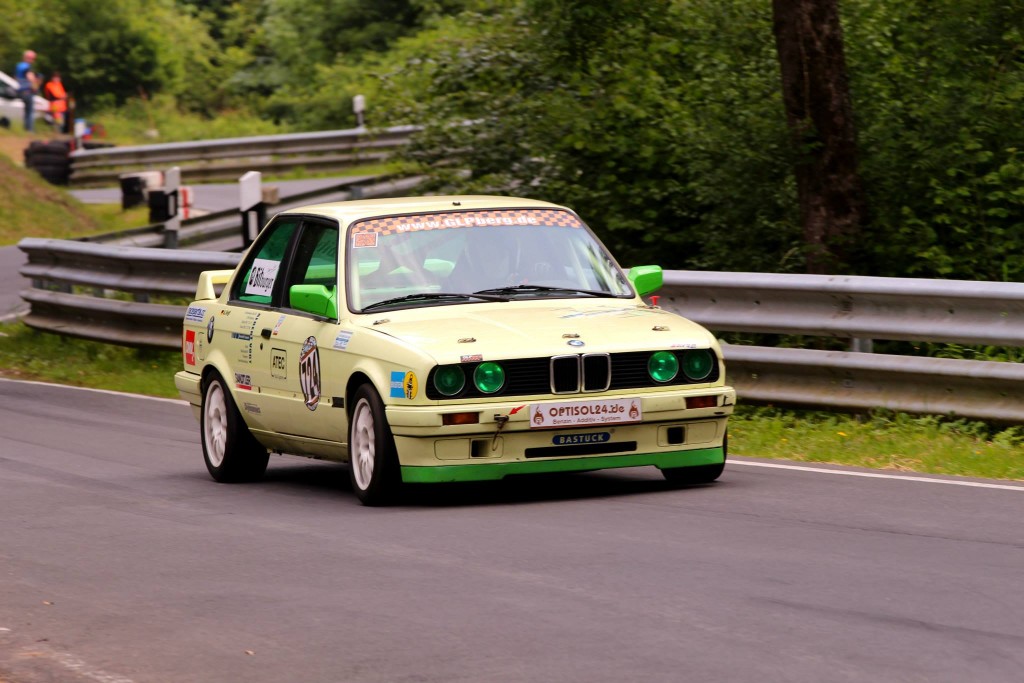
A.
pixel 531 328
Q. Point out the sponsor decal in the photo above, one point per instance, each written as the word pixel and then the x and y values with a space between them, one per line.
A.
pixel 474 358
pixel 195 314
pixel 342 339
pixel 309 372
pixel 209 331
pixel 361 240
pixel 389 225
pixel 262 276
pixel 252 408
pixel 577 439
pixel 599 412
pixel 243 381
pixel 683 345
pixel 277 326
pixel 243 337
pixel 279 363
pixel 404 384
pixel 575 342
pixel 188 349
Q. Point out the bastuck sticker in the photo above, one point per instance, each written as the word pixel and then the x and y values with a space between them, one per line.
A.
pixel 309 373
pixel 403 384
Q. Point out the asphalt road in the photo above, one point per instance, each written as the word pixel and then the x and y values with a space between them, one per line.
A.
pixel 122 562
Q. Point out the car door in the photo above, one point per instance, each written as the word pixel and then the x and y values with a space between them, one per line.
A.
pixel 300 399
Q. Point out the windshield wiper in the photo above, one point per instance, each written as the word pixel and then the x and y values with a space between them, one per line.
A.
pixel 514 289
pixel 427 296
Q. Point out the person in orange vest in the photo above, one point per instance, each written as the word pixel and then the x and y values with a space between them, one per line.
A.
pixel 54 91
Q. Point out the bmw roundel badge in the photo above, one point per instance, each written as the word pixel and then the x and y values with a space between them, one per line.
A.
pixel 575 342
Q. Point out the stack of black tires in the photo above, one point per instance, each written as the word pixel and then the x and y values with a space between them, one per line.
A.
pixel 51 160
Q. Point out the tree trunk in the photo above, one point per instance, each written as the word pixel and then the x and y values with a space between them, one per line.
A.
pixel 816 96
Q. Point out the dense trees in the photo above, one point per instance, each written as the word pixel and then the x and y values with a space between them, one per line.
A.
pixel 664 122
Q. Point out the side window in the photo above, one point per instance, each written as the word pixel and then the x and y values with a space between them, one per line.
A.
pixel 264 264
pixel 316 257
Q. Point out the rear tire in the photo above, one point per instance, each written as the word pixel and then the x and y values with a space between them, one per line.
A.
pixel 373 460
pixel 230 450
pixel 698 474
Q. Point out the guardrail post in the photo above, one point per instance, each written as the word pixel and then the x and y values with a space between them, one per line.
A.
pixel 860 345
pixel 359 108
pixel 251 205
pixel 172 181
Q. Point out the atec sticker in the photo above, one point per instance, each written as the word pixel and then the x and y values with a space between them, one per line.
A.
pixel 309 373
pixel 188 348
pixel 262 276
pixel 243 381
pixel 279 363
pixel 404 384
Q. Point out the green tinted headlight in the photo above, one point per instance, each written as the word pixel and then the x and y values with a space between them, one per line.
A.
pixel 663 366
pixel 698 364
pixel 489 377
pixel 449 379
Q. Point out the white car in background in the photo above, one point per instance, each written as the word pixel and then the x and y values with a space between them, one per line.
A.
pixel 12 109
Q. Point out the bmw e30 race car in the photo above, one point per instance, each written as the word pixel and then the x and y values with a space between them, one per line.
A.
pixel 442 339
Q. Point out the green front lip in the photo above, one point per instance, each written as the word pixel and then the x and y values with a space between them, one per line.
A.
pixel 487 471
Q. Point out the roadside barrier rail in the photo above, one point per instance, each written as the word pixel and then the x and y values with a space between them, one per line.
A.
pixel 226 159
pixel 849 308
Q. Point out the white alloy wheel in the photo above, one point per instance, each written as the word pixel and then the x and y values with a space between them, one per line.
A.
pixel 230 450
pixel 364 447
pixel 215 425
pixel 373 462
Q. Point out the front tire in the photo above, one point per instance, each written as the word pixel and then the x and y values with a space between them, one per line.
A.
pixel 373 461
pixel 230 450
pixel 698 474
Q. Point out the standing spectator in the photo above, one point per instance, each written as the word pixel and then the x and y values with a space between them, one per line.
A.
pixel 54 91
pixel 28 84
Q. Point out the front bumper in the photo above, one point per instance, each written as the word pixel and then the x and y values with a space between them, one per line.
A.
pixel 503 443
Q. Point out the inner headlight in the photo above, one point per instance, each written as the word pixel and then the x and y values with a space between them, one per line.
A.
pixel 449 379
pixel 489 377
pixel 698 364
pixel 663 366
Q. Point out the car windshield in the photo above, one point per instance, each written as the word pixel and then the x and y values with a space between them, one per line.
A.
pixel 514 253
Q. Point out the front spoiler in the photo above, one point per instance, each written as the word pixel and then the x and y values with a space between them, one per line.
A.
pixel 490 471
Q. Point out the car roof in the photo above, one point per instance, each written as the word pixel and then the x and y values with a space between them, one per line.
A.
pixel 347 212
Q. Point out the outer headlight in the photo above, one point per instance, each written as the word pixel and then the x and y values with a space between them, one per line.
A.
pixel 663 366
pixel 489 377
pixel 698 364
pixel 449 379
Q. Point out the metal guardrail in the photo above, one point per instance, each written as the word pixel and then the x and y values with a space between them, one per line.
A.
pixel 222 230
pixel 832 306
pixel 226 159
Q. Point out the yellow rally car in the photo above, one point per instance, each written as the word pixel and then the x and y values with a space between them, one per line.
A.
pixel 446 339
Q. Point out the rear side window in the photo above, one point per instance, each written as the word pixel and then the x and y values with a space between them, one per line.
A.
pixel 264 266
pixel 316 256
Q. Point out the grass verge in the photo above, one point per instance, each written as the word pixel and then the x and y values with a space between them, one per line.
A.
pixel 883 440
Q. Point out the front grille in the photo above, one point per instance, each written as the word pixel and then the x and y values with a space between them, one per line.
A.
pixel 570 374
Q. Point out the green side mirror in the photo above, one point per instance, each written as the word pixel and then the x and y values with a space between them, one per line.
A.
pixel 315 299
pixel 646 279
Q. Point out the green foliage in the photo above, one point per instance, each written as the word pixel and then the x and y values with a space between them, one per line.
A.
pixel 938 87
pixel 664 132
pixel 881 440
